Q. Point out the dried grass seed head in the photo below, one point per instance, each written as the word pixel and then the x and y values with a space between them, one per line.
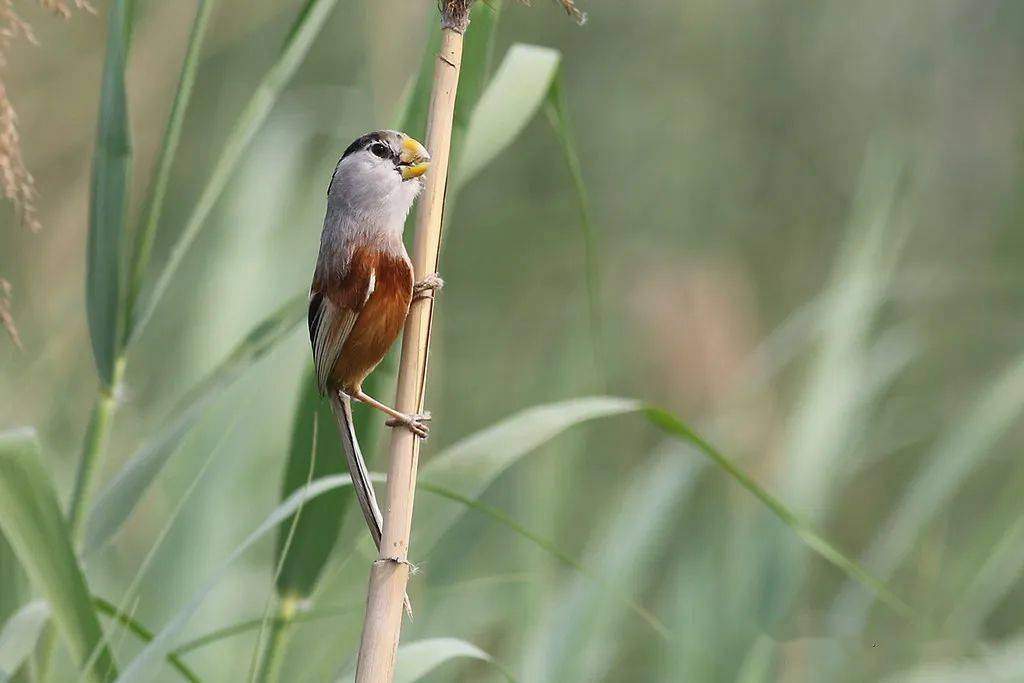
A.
pixel 455 13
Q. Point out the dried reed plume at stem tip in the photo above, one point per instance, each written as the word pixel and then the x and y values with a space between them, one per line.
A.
pixel 15 180
pixel 455 13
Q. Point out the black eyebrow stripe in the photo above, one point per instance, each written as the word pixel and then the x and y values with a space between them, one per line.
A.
pixel 362 142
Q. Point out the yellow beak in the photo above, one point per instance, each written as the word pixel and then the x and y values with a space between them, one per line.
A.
pixel 414 160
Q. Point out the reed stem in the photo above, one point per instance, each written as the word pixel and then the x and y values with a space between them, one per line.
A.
pixel 390 573
pixel 95 446
pixel 96 439
pixel 270 663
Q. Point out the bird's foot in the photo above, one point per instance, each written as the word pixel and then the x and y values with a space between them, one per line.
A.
pixel 425 288
pixel 417 424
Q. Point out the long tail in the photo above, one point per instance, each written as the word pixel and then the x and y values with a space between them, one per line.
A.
pixel 341 405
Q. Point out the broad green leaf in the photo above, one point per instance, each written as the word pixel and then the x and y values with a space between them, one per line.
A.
pixel 417 659
pixel 471 465
pixel 305 30
pixel 557 109
pixel 146 232
pixel 31 520
pixel 108 199
pixel 123 494
pixel 144 665
pixel 673 426
pixel 477 57
pixel 970 440
pixel 19 636
pixel 510 101
pixel 318 527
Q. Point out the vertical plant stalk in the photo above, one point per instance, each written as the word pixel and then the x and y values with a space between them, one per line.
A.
pixel 92 450
pixel 390 573
pixel 95 445
pixel 280 628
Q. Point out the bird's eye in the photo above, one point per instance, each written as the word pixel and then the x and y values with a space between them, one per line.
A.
pixel 381 150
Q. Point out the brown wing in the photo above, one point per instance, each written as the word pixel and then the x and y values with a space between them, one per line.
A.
pixel 335 301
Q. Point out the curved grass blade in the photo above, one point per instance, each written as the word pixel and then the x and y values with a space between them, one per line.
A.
pixel 305 30
pixel 557 110
pixel 472 464
pixel 549 547
pixel 969 441
pixel 477 58
pixel 108 199
pixel 121 497
pixel 510 101
pixel 19 636
pixel 143 634
pixel 417 659
pixel 146 233
pixel 673 426
pixel 31 520
pixel 142 667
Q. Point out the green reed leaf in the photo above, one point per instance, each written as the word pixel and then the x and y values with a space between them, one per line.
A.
pixel 32 522
pixel 142 667
pixel 673 426
pixel 108 199
pixel 557 110
pixel 510 101
pixel 146 233
pixel 472 464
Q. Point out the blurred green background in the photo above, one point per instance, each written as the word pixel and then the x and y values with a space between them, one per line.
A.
pixel 808 221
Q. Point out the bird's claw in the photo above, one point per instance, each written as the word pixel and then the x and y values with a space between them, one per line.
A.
pixel 417 424
pixel 425 288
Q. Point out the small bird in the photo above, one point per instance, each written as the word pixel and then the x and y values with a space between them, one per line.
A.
pixel 363 286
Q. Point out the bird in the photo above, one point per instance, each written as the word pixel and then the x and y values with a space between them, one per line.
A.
pixel 363 286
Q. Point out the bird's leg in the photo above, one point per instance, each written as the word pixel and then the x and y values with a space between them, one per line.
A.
pixel 414 423
pixel 425 288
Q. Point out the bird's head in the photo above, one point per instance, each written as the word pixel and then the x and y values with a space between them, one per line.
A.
pixel 379 171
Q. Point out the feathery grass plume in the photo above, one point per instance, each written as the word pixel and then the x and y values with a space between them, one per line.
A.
pixel 16 182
